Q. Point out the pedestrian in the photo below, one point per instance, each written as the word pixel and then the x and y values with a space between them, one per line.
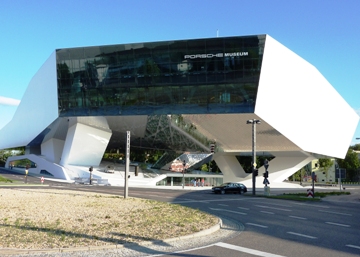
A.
pixel 194 181
pixel 202 182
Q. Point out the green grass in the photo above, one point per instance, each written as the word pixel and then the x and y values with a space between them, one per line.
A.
pixel 5 180
pixel 323 194
pixel 303 196
pixel 295 197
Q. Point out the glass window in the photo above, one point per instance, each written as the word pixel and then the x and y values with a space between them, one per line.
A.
pixel 201 75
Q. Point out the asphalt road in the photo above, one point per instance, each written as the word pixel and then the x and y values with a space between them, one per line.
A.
pixel 271 227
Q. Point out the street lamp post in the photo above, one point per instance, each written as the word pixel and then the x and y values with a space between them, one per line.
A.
pixel 183 171
pixel 254 170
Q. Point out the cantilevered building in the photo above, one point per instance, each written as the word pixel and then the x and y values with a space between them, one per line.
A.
pixel 180 95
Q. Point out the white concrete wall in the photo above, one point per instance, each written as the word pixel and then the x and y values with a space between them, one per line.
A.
pixel 295 99
pixel 52 149
pixel 38 108
pixel 84 145
pixel 41 164
pixel 282 167
pixel 230 167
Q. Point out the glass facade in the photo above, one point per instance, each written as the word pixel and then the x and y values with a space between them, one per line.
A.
pixel 217 75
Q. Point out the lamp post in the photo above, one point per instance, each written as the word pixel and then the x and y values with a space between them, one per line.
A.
pixel 183 171
pixel 254 170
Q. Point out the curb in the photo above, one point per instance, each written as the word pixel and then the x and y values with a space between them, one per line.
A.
pixel 110 247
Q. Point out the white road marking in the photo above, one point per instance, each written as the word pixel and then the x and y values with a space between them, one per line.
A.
pixel 269 207
pixel 256 225
pixel 338 213
pixel 337 224
pixel 215 209
pixel 354 246
pixel 319 206
pixel 302 235
pixel 267 212
pixel 242 208
pixel 199 201
pixel 228 246
pixel 223 204
pixel 296 217
pixel 247 250
pixel 283 205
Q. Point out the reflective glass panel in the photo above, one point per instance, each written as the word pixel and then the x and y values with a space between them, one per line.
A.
pixel 216 75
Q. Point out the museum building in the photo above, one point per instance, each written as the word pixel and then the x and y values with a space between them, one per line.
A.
pixel 180 96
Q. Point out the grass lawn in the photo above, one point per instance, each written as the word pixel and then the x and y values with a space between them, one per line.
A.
pixel 303 196
pixel 5 180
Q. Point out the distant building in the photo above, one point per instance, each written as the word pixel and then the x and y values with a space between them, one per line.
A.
pixel 321 175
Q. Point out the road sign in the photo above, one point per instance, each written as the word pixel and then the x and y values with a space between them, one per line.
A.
pixel 340 173
pixel 310 193
pixel 266 181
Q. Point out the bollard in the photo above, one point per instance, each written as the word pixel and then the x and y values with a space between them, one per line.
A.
pixel 267 190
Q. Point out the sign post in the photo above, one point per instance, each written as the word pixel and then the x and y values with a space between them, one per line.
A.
pixel 127 163
pixel 313 183
pixel 339 174
pixel 26 173
pixel 266 181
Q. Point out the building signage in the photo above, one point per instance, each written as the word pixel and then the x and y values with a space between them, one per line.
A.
pixel 202 56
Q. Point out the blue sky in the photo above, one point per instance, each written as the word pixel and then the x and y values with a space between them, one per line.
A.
pixel 326 33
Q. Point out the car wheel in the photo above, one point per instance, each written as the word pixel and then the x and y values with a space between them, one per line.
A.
pixel 222 191
pixel 241 191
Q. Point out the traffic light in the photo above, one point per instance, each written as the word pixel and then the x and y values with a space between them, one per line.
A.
pixel 256 172
pixel 212 148
pixel 266 174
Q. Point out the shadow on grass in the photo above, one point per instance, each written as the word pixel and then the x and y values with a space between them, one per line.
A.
pixel 5 180
pixel 126 242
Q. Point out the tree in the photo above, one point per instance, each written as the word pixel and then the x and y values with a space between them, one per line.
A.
pixel 351 163
pixel 355 147
pixel 5 153
pixel 298 176
pixel 325 164
pixel 204 167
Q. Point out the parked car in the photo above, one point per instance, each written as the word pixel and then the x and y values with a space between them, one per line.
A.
pixel 230 188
